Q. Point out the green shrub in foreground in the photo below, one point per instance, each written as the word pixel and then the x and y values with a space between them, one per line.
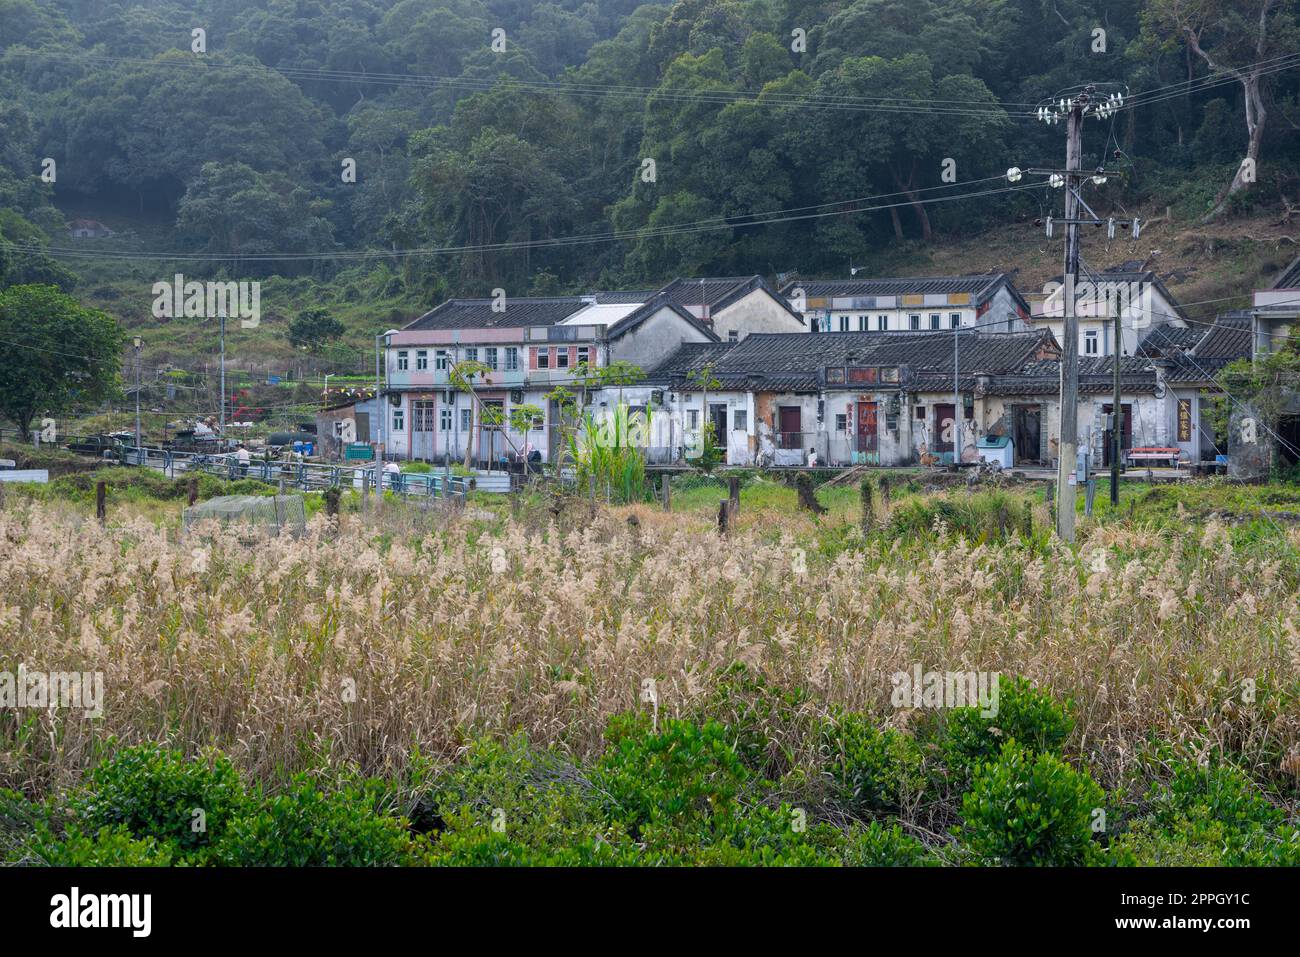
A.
pixel 110 847
pixel 1211 816
pixel 683 777
pixel 877 845
pixel 1028 808
pixel 873 770
pixel 307 827
pixel 156 793
pixel 1026 715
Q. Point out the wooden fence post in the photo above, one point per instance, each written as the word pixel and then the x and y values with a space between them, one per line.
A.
pixel 868 508
pixel 667 485
pixel 193 489
pixel 733 495
pixel 101 502
pixel 724 513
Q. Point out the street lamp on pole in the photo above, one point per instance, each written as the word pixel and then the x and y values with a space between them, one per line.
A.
pixel 223 378
pixel 139 344
pixel 379 405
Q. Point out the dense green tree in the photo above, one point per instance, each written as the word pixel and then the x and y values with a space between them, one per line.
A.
pixel 314 329
pixel 57 353
pixel 232 209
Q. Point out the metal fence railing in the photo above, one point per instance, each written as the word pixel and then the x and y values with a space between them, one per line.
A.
pixel 305 476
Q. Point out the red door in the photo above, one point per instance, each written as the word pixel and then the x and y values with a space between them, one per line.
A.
pixel 868 441
pixel 945 427
pixel 791 427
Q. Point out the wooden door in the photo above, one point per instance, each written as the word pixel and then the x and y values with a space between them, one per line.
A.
pixel 790 419
pixel 1126 435
pixel 868 445
pixel 1026 426
pixel 945 427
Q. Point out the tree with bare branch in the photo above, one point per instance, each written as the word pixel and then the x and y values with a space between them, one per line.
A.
pixel 1235 38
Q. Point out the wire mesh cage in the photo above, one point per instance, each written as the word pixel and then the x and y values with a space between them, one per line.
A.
pixel 264 513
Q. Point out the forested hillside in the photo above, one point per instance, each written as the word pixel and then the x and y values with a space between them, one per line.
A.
pixel 506 142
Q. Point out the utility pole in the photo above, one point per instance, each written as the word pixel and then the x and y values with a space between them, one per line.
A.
pixel 1068 452
pixel 138 344
pixel 1117 416
pixel 956 400
pixel 223 377
pixel 1074 111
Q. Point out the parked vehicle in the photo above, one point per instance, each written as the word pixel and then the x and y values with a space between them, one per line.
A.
pixel 96 444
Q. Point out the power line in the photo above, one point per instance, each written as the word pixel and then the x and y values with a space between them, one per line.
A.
pixel 854 103
pixel 717 223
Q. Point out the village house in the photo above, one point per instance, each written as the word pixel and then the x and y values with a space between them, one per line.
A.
pixel 345 419
pixel 988 302
pixel 1276 312
pixel 1188 361
pixel 1137 295
pixel 848 398
pixel 530 346
pixel 735 307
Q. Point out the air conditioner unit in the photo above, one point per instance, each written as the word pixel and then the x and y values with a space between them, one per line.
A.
pixel 657 396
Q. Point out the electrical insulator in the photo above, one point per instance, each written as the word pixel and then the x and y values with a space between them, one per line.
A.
pixel 1049 227
pixel 1137 228
pixel 1110 228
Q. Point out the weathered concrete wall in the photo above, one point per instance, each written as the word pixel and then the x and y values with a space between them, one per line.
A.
pixel 755 312
pixel 654 339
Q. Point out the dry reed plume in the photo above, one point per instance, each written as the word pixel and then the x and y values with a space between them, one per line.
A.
pixel 453 631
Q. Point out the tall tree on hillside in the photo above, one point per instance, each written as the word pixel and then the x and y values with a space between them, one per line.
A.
pixel 903 151
pixel 1235 38
pixel 57 354
pixel 232 209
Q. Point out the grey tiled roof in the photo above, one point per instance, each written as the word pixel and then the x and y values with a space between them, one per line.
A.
pixel 1170 340
pixel 1188 369
pixel 1228 338
pixel 642 313
pixel 612 297
pixel 1096 376
pixel 719 292
pixel 794 361
pixel 1288 278
pixel 478 313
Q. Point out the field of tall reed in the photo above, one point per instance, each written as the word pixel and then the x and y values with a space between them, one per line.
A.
pixel 365 642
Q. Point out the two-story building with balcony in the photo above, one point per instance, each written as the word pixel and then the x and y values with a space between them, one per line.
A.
pixel 530 347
